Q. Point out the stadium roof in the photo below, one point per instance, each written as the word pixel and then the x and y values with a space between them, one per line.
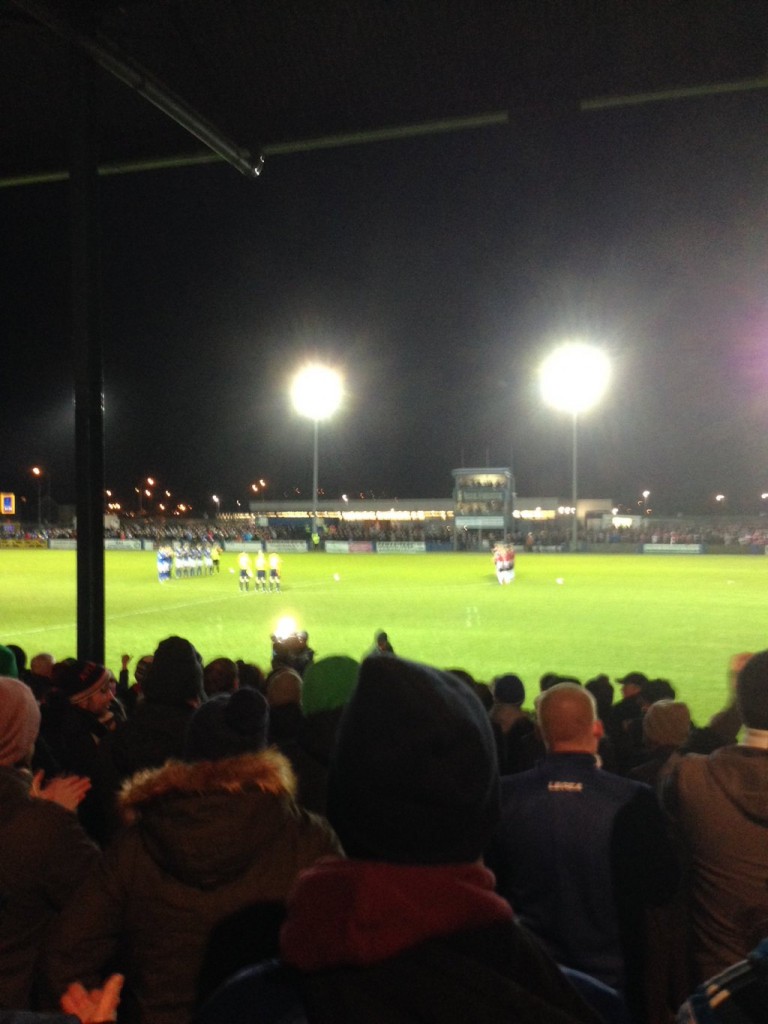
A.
pixel 286 75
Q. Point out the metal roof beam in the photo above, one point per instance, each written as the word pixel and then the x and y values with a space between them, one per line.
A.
pixel 143 82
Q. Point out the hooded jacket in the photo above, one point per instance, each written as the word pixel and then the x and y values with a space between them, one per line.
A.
pixel 206 846
pixel 388 943
pixel 719 805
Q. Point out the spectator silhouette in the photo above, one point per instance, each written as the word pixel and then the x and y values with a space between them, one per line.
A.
pixel 44 853
pixel 210 850
pixel 409 928
pixel 220 676
pixel 666 730
pixel 581 852
pixel 718 807
pixel 79 726
pixel 172 688
pixel 512 727
pixel 623 722
pixel 327 686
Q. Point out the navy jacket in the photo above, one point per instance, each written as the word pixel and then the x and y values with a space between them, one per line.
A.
pixel 579 854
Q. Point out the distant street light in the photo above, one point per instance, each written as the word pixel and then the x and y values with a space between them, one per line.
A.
pixel 37 473
pixel 646 496
pixel 316 393
pixel 259 488
pixel 143 491
pixel 573 379
pixel 217 502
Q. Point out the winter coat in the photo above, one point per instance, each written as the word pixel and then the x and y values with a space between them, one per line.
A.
pixel 719 806
pixel 208 846
pixel 45 856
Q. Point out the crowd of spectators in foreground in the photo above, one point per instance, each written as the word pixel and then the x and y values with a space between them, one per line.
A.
pixel 382 841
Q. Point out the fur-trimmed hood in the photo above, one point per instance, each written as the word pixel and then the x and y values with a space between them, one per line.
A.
pixel 204 822
pixel 268 771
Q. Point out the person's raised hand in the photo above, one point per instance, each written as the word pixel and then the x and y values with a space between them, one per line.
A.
pixel 68 791
pixel 98 1005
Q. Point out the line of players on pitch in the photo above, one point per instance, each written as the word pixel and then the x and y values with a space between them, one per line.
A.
pixel 182 561
pixel 504 562
pixel 260 583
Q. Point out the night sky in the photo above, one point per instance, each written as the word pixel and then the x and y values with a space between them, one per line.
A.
pixel 436 273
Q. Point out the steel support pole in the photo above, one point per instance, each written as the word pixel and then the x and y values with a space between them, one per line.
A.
pixel 86 344
pixel 315 474
pixel 575 489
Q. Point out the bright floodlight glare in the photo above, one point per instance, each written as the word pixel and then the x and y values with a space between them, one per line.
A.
pixel 574 377
pixel 316 392
pixel 285 627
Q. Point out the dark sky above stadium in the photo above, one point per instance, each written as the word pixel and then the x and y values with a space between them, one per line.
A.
pixel 436 273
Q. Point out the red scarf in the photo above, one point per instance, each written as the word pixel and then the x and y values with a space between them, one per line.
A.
pixel 358 912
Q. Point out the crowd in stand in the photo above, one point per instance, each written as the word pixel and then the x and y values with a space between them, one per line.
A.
pixel 379 841
pixel 734 537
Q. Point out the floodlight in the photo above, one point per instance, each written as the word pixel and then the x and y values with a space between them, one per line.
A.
pixel 316 393
pixel 37 473
pixel 285 627
pixel 573 378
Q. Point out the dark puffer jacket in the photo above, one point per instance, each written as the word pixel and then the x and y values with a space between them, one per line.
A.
pixel 208 846
pixel 45 856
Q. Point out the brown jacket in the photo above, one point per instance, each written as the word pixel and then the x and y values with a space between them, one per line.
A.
pixel 206 846
pixel 45 856
pixel 719 808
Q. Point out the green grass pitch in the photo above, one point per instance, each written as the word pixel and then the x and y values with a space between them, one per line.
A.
pixel 680 617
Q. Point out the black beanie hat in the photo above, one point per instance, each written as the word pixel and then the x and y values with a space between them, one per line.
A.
pixel 509 689
pixel 176 674
pixel 413 778
pixel 227 725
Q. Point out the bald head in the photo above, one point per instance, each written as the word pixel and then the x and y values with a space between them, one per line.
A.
pixel 567 718
pixel 42 665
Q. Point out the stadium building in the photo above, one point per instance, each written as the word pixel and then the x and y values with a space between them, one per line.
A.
pixel 482 508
